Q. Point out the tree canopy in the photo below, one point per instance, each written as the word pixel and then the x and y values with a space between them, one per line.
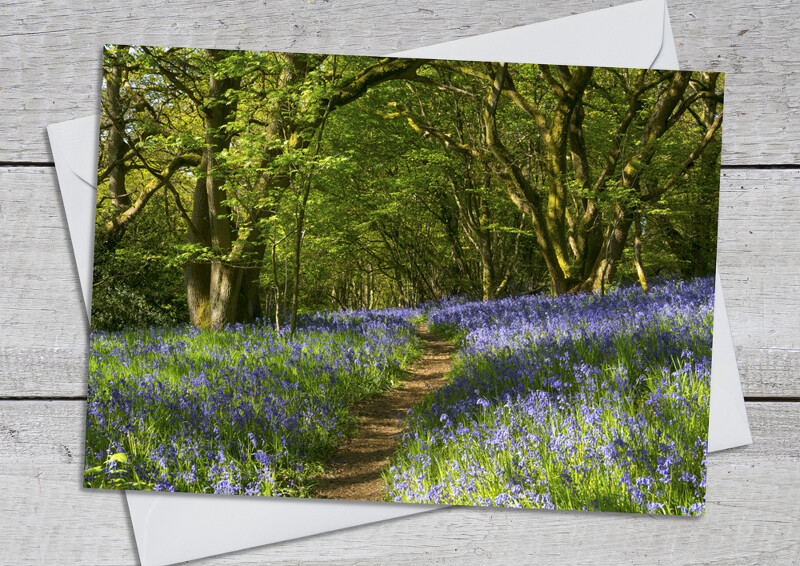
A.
pixel 235 185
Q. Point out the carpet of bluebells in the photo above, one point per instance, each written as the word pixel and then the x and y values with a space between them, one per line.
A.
pixel 244 410
pixel 572 402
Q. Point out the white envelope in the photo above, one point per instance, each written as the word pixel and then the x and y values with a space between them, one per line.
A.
pixel 176 527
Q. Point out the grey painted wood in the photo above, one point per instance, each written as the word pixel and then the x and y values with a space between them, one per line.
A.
pixel 44 346
pixel 50 51
pixel 757 45
pixel 49 71
pixel 751 517
pixel 759 262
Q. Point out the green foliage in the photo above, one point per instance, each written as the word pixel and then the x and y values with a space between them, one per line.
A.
pixel 135 285
pixel 201 410
pixel 400 197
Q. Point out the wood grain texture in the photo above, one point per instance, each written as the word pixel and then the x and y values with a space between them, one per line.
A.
pixel 50 51
pixel 45 517
pixel 49 71
pixel 44 346
pixel 759 263
pixel 757 45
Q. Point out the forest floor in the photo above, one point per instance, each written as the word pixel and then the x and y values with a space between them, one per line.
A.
pixel 357 465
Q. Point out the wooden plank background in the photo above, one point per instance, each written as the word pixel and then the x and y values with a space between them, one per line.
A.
pixel 49 71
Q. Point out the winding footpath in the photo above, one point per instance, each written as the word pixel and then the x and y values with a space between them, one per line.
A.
pixel 357 465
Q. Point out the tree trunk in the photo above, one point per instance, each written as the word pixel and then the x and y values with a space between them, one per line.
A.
pixel 115 143
pixel 606 266
pixel 197 278
pixel 487 268
pixel 226 281
pixel 637 252
pixel 298 241
pixel 250 307
pixel 197 274
pixel 226 278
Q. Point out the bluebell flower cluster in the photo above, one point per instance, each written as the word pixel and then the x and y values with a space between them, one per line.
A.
pixel 242 410
pixel 572 402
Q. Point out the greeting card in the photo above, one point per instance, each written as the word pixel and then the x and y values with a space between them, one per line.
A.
pixel 411 280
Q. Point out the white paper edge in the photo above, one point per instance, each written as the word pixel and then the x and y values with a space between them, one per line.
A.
pixel 612 32
pixel 149 526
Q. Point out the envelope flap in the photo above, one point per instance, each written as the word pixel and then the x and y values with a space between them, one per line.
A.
pixel 74 147
pixel 622 36
pixel 727 402
pixel 173 527
pixel 76 141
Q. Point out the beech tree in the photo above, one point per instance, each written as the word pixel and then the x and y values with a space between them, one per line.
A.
pixel 307 182
pixel 264 130
pixel 582 200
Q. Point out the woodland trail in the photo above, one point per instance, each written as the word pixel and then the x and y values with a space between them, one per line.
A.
pixel 359 461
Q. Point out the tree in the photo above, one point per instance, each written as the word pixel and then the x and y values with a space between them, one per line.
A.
pixel 263 131
pixel 315 181
pixel 581 215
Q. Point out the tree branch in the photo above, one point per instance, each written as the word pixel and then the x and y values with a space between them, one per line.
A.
pixel 688 162
pixel 152 187
pixel 174 79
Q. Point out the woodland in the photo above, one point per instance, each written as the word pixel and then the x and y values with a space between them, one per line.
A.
pixel 236 185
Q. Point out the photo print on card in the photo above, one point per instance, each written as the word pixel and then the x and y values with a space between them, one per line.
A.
pixel 403 280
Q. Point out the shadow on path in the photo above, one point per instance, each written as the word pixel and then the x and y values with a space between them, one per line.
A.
pixel 356 467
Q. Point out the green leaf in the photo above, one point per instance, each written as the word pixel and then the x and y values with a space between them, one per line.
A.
pixel 120 457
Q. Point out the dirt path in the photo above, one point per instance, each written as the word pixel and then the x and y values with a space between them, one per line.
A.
pixel 357 466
